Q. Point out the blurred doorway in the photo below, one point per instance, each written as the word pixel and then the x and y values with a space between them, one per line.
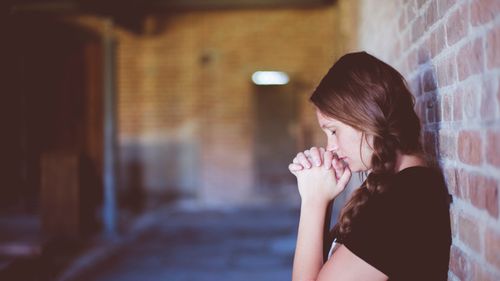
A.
pixel 275 138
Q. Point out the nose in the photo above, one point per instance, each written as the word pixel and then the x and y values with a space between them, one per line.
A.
pixel 332 144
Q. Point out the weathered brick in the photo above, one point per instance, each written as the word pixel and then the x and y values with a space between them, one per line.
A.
pixel 430 142
pixel 447 145
pixel 470 147
pixel 468 232
pixel 447 71
pixel 446 107
pixel 493 147
pixel 489 103
pixel 418 28
pixel 437 41
pixel 483 193
pixel 444 6
pixel 471 99
pixel 492 47
pixel 431 14
pixel 484 11
pixel 470 59
pixel 429 82
pixel 459 263
pixel 484 274
pixel 457 25
pixel 457 105
pixel 492 247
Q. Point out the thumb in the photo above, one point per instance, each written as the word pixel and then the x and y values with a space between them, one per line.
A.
pixel 344 179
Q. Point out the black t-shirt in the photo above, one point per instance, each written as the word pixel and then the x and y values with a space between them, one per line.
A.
pixel 405 231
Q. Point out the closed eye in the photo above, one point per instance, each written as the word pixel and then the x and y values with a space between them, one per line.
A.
pixel 330 132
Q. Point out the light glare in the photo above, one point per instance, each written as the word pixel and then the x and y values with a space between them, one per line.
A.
pixel 270 78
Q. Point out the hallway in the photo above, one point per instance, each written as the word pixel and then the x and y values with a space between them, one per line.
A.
pixel 185 244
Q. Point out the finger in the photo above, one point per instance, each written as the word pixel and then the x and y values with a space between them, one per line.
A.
pixel 307 153
pixel 344 179
pixel 315 156
pixel 327 159
pixel 339 168
pixel 295 167
pixel 295 160
pixel 303 160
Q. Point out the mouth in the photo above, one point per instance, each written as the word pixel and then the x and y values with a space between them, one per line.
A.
pixel 343 160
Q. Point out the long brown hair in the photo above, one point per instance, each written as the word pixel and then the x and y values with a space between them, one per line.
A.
pixel 372 97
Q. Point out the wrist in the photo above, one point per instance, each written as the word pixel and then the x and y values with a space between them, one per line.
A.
pixel 314 203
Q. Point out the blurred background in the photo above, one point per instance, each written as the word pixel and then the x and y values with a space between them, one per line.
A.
pixel 136 145
pixel 123 116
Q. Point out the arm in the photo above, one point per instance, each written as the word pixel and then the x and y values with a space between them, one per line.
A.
pixel 318 186
pixel 308 258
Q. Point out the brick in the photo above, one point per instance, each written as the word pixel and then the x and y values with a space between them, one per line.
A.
pixel 483 193
pixel 483 274
pixel 453 221
pixel 410 11
pixel 413 59
pixel 457 105
pixel 493 148
pixel 492 247
pixel 457 25
pixel 424 53
pixel 431 14
pixel 402 21
pixel 450 179
pixel 459 263
pixel 471 99
pixel 468 232
pixel 484 11
pixel 418 28
pixel 470 59
pixel 450 176
pixel 446 71
pixel 447 145
pixel 436 109
pixel 446 107
pixel 492 46
pixel 437 41
pixel 430 143
pixel 415 86
pixel 429 82
pixel 489 104
pixel 462 178
pixel 470 147
pixel 420 3
pixel 444 6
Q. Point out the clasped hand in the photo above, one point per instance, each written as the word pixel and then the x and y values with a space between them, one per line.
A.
pixel 321 176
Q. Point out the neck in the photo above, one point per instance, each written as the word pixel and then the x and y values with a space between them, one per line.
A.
pixel 404 161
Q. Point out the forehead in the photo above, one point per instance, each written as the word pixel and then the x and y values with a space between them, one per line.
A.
pixel 326 120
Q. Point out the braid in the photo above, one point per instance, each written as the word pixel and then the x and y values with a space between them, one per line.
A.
pixel 383 167
pixel 381 106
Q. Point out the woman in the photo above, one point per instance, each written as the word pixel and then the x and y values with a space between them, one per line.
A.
pixel 396 226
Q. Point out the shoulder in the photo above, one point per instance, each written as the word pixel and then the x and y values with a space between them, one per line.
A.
pixel 419 182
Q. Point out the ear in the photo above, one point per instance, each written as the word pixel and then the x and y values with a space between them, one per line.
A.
pixel 369 140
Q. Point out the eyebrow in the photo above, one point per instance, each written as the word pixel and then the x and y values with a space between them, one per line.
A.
pixel 327 126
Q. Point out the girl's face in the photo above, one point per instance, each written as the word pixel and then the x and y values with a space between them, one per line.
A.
pixel 349 143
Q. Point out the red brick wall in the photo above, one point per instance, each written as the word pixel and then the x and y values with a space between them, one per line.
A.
pixel 449 52
pixel 185 98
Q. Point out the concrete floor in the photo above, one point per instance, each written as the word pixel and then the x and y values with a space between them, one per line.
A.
pixel 183 244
